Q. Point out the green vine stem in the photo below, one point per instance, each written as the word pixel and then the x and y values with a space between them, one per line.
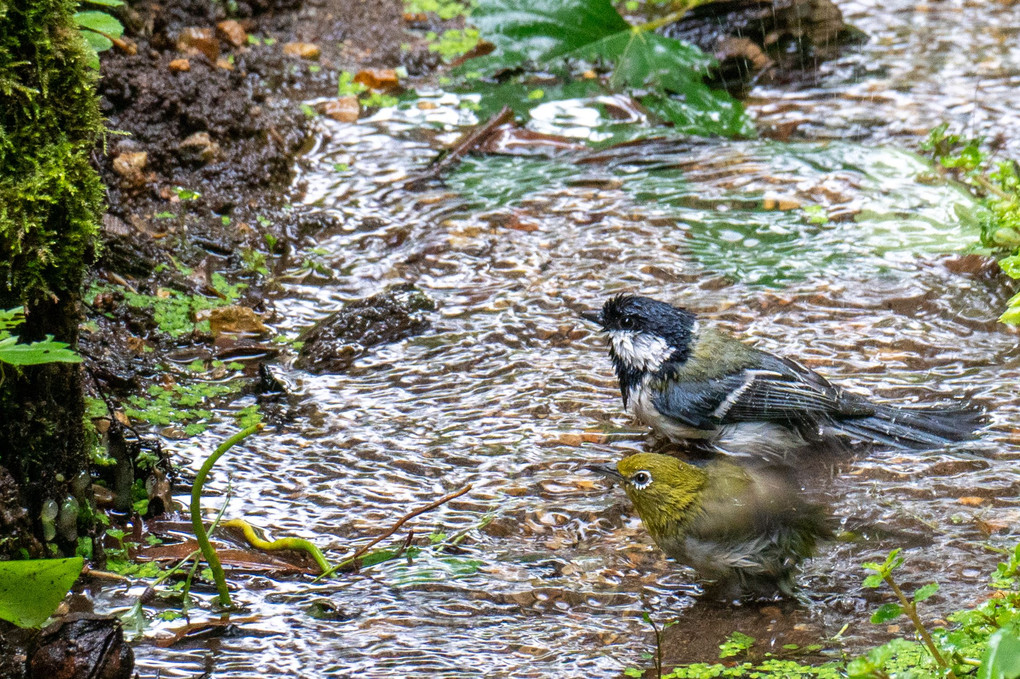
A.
pixel 298 544
pixel 911 611
pixel 196 511
pixel 670 18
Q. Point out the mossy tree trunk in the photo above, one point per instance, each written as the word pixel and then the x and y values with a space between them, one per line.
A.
pixel 50 205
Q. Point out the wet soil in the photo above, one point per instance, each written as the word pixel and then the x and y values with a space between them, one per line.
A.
pixel 199 156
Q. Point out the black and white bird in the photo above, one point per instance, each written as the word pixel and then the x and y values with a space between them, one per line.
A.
pixel 691 382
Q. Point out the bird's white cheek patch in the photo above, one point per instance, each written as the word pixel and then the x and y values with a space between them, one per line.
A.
pixel 640 350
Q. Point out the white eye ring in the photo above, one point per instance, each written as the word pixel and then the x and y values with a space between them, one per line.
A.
pixel 641 479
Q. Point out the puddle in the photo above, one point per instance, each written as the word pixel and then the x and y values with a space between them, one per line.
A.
pixel 498 392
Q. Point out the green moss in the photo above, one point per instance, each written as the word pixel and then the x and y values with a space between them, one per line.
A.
pixel 50 196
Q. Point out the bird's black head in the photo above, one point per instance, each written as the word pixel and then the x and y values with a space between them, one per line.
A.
pixel 644 335
pixel 634 314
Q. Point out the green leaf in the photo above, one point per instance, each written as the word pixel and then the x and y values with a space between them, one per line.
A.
pixel 31 590
pixel 633 672
pixel 873 581
pixel 1011 316
pixel 105 3
pixel 544 29
pixel 1011 265
pixel 925 592
pixel 701 111
pixel 100 22
pixel 97 41
pixel 36 353
pixel 886 612
pixel 1002 657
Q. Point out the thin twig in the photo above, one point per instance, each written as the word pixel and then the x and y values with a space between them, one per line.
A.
pixel 473 138
pixel 407 517
pixel 393 529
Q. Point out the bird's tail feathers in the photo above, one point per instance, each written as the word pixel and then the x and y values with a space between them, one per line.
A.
pixel 918 429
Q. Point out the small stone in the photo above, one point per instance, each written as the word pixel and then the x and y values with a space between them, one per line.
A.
pixel 782 203
pixel 199 149
pixel 232 32
pixel 180 65
pixel 344 109
pixel 427 105
pixel 193 41
pixel 131 166
pixel 305 50
pixel 224 64
pixel 378 78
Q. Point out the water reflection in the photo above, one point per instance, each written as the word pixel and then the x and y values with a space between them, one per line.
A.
pixel 511 392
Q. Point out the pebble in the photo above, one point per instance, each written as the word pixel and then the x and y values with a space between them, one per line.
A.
pixel 232 32
pixel 344 109
pixel 304 50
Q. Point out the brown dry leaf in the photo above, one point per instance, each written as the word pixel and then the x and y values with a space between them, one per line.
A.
pixel 305 50
pixel 971 501
pixel 202 629
pixel 195 40
pixel 378 78
pixel 180 65
pixel 136 345
pixel 233 319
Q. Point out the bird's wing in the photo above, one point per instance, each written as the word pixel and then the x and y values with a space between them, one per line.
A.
pixel 776 390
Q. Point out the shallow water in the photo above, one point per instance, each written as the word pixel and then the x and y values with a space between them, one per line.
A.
pixel 499 392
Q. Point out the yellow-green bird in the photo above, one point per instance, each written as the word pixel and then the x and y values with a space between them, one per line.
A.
pixel 746 527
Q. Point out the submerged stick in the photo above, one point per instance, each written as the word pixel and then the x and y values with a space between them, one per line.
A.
pixel 469 141
pixel 208 551
pixel 393 529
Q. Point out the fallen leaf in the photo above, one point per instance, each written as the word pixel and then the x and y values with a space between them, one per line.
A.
pixel 194 40
pixel 378 78
pixel 233 319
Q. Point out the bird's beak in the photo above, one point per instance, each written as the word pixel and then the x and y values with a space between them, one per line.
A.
pixel 608 470
pixel 593 316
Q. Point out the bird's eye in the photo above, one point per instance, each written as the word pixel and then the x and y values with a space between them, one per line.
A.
pixel 640 480
pixel 627 322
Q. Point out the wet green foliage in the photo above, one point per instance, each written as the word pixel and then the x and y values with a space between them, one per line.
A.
pixel 31 590
pixel 997 182
pixel 51 197
pixel 981 642
pixel 32 353
pixel 174 311
pixel 188 402
pixel 99 28
pixel 590 36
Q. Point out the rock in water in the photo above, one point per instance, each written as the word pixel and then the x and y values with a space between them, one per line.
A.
pixel 763 38
pixel 335 342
